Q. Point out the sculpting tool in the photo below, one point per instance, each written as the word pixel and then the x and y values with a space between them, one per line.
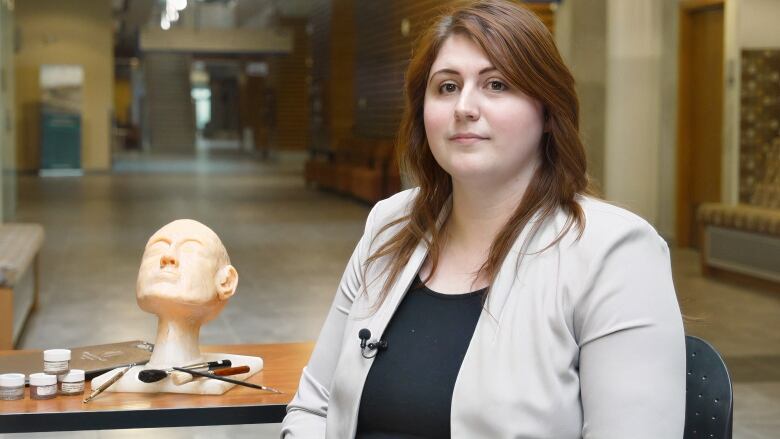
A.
pixel 108 383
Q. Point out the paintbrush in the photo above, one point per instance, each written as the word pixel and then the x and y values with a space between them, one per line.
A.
pixel 154 375
pixel 227 380
pixel 180 378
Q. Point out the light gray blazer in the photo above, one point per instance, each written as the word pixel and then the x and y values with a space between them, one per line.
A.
pixel 583 340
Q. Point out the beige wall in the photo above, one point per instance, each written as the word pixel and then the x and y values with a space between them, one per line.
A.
pixel 758 26
pixel 277 40
pixel 65 32
pixel 667 148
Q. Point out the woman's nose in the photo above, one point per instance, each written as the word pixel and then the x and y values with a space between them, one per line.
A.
pixel 467 108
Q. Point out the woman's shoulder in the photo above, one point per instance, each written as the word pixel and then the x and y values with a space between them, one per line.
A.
pixel 606 223
pixel 393 207
pixel 609 214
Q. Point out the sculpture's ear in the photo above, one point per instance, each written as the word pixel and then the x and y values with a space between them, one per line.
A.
pixel 227 281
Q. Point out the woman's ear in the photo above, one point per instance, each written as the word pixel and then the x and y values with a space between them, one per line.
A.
pixel 227 281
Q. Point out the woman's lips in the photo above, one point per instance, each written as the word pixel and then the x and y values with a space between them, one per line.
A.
pixel 467 139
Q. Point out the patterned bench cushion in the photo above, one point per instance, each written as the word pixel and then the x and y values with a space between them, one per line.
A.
pixel 741 216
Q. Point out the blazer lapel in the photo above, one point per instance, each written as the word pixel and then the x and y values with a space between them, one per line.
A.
pixel 499 291
pixel 509 277
pixel 398 290
pixel 401 286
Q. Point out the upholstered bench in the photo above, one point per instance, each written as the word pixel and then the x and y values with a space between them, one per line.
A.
pixel 19 247
pixel 741 238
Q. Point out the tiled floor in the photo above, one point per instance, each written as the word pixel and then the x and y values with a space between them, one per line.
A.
pixel 289 244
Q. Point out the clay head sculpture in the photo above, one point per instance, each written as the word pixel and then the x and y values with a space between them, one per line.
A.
pixel 185 279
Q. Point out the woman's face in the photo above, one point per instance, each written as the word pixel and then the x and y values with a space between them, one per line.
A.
pixel 480 129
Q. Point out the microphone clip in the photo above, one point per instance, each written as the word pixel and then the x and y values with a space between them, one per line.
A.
pixel 367 346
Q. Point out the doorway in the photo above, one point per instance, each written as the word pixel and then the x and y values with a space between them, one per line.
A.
pixel 700 114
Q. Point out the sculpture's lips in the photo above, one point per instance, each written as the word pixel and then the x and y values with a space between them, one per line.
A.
pixel 167 275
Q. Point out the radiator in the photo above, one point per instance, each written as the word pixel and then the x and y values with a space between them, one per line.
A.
pixel 744 252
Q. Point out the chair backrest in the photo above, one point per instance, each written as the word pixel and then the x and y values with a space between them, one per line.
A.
pixel 709 401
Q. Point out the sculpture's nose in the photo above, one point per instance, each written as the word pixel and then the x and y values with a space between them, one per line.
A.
pixel 168 260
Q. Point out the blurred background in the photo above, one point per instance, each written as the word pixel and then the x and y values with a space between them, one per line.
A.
pixel 273 122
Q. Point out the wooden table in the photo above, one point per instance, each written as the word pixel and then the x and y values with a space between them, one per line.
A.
pixel 283 364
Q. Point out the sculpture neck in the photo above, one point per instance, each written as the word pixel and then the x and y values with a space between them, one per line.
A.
pixel 176 344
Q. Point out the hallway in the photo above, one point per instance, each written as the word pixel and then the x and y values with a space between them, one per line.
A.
pixel 290 245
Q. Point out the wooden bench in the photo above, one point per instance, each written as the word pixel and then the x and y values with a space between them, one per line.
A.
pixel 19 281
pixel 363 168
pixel 370 181
pixel 322 168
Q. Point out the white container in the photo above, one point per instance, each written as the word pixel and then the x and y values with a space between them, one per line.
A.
pixel 43 386
pixel 72 383
pixel 56 361
pixel 11 386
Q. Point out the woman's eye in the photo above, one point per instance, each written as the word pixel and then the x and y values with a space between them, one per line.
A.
pixel 448 88
pixel 497 86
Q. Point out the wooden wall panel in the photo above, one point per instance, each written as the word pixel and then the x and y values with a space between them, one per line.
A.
pixel 333 57
pixel 545 11
pixel 290 77
pixel 383 52
pixel 319 125
pixel 341 85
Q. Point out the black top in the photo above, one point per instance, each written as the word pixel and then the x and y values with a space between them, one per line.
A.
pixel 408 391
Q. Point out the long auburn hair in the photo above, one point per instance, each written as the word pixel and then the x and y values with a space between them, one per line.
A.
pixel 523 50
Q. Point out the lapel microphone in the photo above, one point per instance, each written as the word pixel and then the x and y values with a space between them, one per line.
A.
pixel 368 346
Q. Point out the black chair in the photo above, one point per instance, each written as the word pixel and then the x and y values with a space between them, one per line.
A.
pixel 709 403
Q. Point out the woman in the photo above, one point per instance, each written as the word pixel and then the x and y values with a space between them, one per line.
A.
pixel 502 300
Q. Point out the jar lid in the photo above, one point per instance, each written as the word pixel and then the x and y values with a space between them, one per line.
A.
pixel 11 380
pixel 74 376
pixel 56 355
pixel 42 379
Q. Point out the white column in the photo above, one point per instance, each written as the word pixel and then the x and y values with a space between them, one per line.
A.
pixel 633 110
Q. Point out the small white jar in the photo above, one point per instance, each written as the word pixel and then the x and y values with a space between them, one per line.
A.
pixel 11 386
pixel 56 361
pixel 43 386
pixel 72 383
